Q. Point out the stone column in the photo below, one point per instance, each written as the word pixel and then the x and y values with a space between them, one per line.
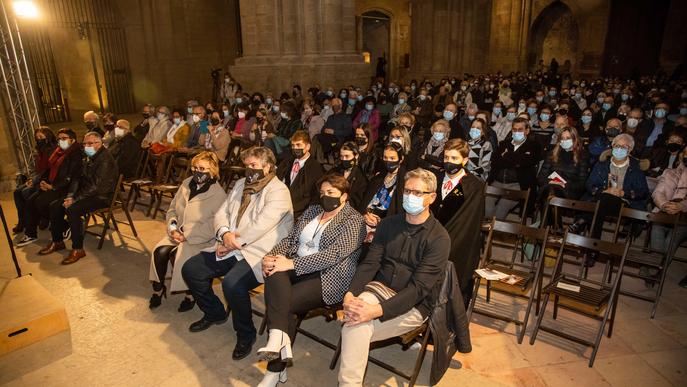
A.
pixel 305 42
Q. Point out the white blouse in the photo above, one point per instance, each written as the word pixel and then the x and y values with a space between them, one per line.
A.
pixel 309 240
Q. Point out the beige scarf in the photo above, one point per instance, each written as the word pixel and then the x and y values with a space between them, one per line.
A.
pixel 250 189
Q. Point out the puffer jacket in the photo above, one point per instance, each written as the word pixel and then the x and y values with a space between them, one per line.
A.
pixel 449 325
pixel 98 177
pixel 672 184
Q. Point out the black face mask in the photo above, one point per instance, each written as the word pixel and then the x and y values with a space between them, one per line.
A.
pixel 109 127
pixel 622 117
pixel 452 168
pixel 259 120
pixel 90 125
pixel 214 121
pixel 41 143
pixel 673 147
pixel 298 153
pixel 253 175
pixel 612 132
pixel 361 141
pixel 330 203
pixel 146 115
pixel 391 165
pixel 347 164
pixel 200 177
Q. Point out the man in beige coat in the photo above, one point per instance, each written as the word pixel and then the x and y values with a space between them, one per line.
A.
pixel 255 217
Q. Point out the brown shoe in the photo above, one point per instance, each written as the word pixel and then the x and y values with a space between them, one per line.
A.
pixel 51 248
pixel 74 256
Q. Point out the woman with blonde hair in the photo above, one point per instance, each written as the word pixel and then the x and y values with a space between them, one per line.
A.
pixel 190 229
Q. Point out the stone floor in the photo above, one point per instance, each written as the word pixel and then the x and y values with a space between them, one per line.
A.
pixel 115 340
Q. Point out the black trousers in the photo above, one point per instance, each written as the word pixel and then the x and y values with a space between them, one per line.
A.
pixel 609 205
pixel 37 207
pixel 163 256
pixel 286 296
pixel 21 197
pixel 74 214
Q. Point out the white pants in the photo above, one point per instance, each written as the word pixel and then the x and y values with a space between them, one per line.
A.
pixel 355 341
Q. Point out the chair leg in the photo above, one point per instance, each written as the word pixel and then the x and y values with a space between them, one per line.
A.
pixel 157 205
pixel 523 328
pixel 420 358
pixel 134 194
pixel 659 291
pixel 539 319
pixel 153 198
pixel 106 225
pixel 335 357
pixel 488 298
pixel 263 325
pixel 555 307
pixel 131 222
pixel 471 307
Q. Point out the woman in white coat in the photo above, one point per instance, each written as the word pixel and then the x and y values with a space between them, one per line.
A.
pixel 256 215
pixel 190 228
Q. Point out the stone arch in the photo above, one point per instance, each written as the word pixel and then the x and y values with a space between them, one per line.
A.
pixel 376 34
pixel 554 33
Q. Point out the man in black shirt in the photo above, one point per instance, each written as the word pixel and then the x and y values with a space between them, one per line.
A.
pixel 392 291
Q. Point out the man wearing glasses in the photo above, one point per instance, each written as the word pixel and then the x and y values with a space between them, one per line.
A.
pixel 91 191
pixel 391 293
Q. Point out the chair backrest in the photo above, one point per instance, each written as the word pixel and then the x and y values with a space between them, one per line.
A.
pixel 653 218
pixel 178 169
pixel 117 191
pixel 535 237
pixel 511 194
pixel 141 164
pixel 556 204
pixel 234 153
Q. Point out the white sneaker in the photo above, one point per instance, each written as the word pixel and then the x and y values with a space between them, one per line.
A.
pixel 26 240
pixel 271 379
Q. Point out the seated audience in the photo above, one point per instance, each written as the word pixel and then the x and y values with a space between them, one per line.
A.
pixel 602 143
pixel 393 289
pixel 369 115
pixel 125 149
pixel 349 158
pixel 668 156
pixel 159 130
pixel 300 173
pixel 256 215
pixel 190 228
pixel 432 155
pixel 218 138
pixel 90 120
pixel 312 267
pixel 481 149
pixel 91 191
pixel 368 159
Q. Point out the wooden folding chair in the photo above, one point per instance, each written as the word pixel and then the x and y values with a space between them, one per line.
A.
pixel 525 276
pixel 107 215
pixel 566 210
pixel 141 183
pixel 178 170
pixel 585 297
pixel 522 197
pixel 647 255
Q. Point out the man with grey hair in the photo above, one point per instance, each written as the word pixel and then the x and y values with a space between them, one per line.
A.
pixel 90 119
pixel 91 191
pixel 158 131
pixel 141 130
pixel 392 291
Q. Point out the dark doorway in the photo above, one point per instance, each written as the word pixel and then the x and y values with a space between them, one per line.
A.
pixel 376 39
pixel 554 34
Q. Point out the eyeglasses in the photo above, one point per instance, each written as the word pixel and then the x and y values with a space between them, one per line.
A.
pixel 200 169
pixel 91 143
pixel 414 192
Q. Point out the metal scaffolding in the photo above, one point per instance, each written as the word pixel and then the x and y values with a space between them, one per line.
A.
pixel 18 99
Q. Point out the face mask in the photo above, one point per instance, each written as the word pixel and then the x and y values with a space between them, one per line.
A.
pixel 330 93
pixel 624 97
pixel 64 144
pixel 41 143
pixel 606 106
pixel 226 113
pixel 522 106
pixel 552 93
pixel 660 113
pixel 413 205
pixel 119 132
pixel 632 122
pixel 90 125
pixel 497 111
pixel 360 98
pixel 298 153
pixel 214 121
pixel 200 177
pixel 510 116
pixel 361 141
pixel 578 95
pixel 518 137
pixel 347 164
pixel 284 115
pixel 452 168
pixel 146 115
pixel 89 151
pixel 586 119
pixel 239 100
pixel 612 132
pixel 567 144
pixel 351 101
pixel 391 165
pixel 539 98
pixel 448 115
pixel 330 203
pixel 683 111
pixel 475 133
pixel 471 118
pixel 531 110
pixel 463 88
pixel 242 114
pixel 275 108
pixel 673 147
pixel 401 101
pixel 177 121
pixel 253 175
pixel 189 110
pixel 196 118
pixel 161 116
pixel 438 136
pixel 343 95
pixel 600 100
pixel 545 116
pixel 397 140
pixel 268 101
pixel 422 97
pixel 619 153
pixel 369 107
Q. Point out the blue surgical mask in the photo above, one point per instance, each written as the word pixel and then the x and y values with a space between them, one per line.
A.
pixel 552 93
pixel 239 100
pixel 683 111
pixel 413 205
pixel 401 101
pixel 89 151
pixel 586 119
pixel 539 98
pixel 189 109
pixel 448 115
pixel 624 97
pixel 360 98
pixel 64 144
pixel 439 136
pixel 522 107
pixel 497 111
pixel 545 116
pixel 518 136
pixel 330 93
pixel 606 106
pixel 619 153
pixel 531 110
pixel 567 144
pixel 510 116
pixel 475 133
pixel 275 108
pixel 369 107
pixel 351 101
pixel 268 101
pixel 578 95
pixel 660 113
pixel 177 121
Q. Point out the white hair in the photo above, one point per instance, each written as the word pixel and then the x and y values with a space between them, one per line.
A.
pixel 427 177
pixel 627 138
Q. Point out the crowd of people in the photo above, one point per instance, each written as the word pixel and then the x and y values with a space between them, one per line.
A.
pixel 361 196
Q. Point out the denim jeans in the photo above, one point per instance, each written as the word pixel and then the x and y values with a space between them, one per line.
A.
pixel 201 269
pixel 660 237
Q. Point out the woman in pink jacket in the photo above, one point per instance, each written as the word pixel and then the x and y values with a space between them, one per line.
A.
pixel 369 115
pixel 670 196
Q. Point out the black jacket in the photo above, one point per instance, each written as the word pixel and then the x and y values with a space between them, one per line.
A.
pixel 69 171
pixel 523 160
pixel 126 151
pixel 99 175
pixel 575 175
pixel 396 206
pixel 358 183
pixel 449 325
pixel 303 190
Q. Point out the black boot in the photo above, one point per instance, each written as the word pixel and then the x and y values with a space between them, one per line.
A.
pixel 156 299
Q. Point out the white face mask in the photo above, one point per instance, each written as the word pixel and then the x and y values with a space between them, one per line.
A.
pixel 64 144
pixel 196 118
pixel 119 132
pixel 160 116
